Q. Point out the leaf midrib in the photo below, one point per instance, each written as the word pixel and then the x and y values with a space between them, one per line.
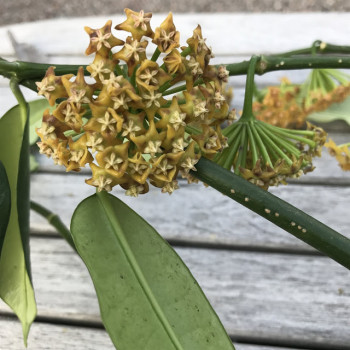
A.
pixel 104 199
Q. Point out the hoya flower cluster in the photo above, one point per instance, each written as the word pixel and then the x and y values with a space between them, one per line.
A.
pixel 288 105
pixel 267 155
pixel 122 125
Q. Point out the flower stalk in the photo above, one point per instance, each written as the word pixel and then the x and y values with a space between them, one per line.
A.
pixel 54 220
pixel 262 153
pixel 247 114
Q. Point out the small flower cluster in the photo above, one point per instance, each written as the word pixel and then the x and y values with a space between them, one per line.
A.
pixel 279 106
pixel 340 152
pixel 267 155
pixel 289 105
pixel 122 125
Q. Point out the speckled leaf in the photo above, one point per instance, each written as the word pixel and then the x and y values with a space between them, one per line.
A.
pixel 148 297
pixel 15 278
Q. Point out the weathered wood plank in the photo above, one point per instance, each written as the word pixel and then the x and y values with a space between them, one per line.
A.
pixel 44 336
pixel 247 33
pixel 198 214
pixel 8 100
pixel 258 296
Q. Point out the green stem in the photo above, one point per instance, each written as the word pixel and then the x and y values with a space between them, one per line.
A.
pixel 286 144
pixel 272 145
pixel 341 77
pixel 118 70
pixel 14 85
pixel 344 144
pixel 133 77
pixel 27 72
pixel 279 212
pixel 155 55
pixel 232 150
pixel 181 88
pixel 166 85
pixel 185 52
pixel 252 144
pixel 319 47
pixel 249 90
pixel 286 133
pixel 192 130
pixel 54 220
pixel 276 63
pixel 242 149
pixel 227 131
pixel 261 145
pixel 231 133
pixel 293 131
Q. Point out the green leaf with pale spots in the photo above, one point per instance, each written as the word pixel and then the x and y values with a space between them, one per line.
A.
pixel 148 298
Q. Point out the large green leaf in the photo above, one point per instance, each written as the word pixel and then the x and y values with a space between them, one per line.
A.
pixel 336 111
pixel 5 203
pixel 36 109
pixel 148 298
pixel 33 164
pixel 15 278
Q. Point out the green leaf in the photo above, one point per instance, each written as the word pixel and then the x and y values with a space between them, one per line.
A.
pixel 15 277
pixel 5 204
pixel 337 111
pixel 148 297
pixel 36 111
pixel 33 164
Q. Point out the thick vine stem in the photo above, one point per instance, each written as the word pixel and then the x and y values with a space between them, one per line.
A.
pixel 27 72
pixel 275 63
pixel 54 220
pixel 319 47
pixel 272 208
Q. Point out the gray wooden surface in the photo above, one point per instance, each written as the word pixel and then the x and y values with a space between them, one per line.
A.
pixel 258 296
pixel 183 216
pixel 45 336
pixel 271 290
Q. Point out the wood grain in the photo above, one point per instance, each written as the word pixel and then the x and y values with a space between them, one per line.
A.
pixel 260 32
pixel 44 336
pixel 258 296
pixel 198 214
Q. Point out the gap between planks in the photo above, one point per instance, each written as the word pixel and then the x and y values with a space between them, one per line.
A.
pixel 197 214
pixel 260 298
pixel 43 336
